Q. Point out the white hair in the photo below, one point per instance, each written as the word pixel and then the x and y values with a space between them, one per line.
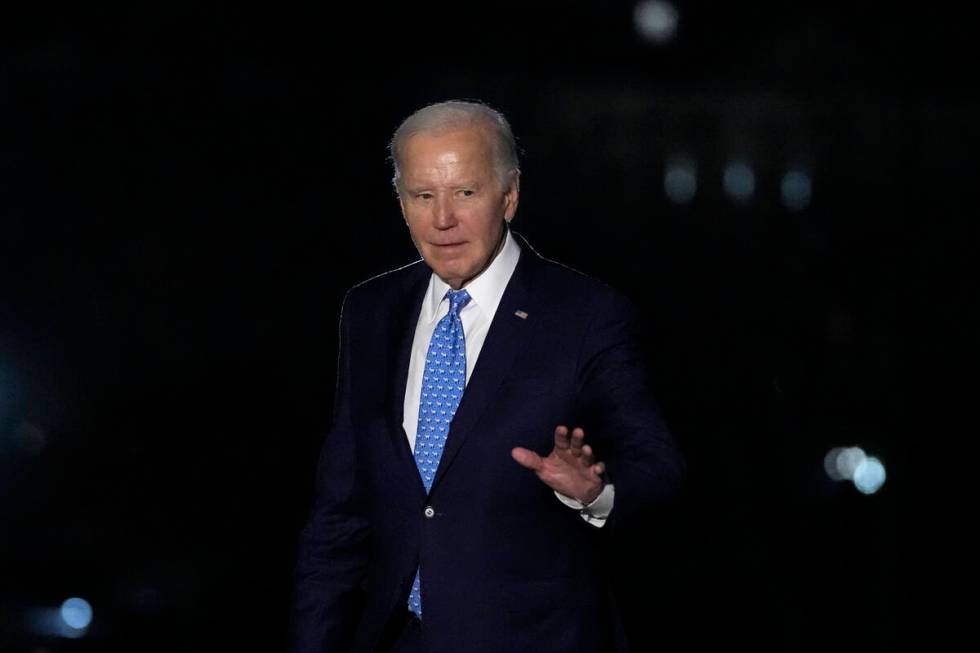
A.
pixel 454 115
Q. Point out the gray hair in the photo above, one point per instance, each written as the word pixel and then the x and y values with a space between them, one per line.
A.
pixel 453 115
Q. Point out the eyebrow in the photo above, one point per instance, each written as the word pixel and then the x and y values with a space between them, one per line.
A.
pixel 424 187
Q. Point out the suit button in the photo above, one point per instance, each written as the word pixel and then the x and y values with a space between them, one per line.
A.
pixel 430 512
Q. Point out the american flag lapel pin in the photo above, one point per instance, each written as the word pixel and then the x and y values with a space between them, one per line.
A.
pixel 520 314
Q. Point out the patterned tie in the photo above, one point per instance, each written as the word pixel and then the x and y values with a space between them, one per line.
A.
pixel 442 387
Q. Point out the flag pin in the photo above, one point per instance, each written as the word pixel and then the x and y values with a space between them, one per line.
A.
pixel 521 314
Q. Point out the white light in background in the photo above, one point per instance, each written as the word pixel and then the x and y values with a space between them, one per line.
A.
pixel 796 190
pixel 830 464
pixel 76 613
pixel 739 181
pixel 848 460
pixel 681 181
pixel 655 20
pixel 71 620
pixel 852 464
pixel 869 475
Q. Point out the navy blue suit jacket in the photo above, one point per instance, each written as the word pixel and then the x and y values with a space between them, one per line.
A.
pixel 505 565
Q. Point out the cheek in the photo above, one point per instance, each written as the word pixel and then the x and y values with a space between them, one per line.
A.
pixel 416 224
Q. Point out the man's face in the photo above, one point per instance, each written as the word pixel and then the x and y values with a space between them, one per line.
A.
pixel 453 202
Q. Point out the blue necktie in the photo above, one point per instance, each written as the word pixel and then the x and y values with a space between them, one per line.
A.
pixel 442 387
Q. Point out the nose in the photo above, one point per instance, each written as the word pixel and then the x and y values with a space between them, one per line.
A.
pixel 443 213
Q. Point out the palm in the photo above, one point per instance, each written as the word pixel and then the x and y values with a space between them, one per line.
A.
pixel 569 469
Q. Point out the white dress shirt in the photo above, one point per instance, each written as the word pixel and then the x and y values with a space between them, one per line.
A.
pixel 485 292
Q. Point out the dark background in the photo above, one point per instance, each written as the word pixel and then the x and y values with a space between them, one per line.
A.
pixel 186 192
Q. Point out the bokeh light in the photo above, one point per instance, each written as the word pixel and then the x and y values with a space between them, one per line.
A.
pixel 655 20
pixel 739 181
pixel 830 464
pixel 681 181
pixel 848 460
pixel 796 190
pixel 853 464
pixel 869 475
pixel 76 613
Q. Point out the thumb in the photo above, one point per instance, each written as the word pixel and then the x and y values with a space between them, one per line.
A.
pixel 526 458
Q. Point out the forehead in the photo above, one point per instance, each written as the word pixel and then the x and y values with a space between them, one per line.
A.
pixel 427 151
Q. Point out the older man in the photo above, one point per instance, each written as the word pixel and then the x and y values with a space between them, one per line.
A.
pixel 459 507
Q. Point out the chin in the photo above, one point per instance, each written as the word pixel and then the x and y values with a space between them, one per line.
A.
pixel 451 273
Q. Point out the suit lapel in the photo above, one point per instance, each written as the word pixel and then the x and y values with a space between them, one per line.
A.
pixel 507 336
pixel 402 324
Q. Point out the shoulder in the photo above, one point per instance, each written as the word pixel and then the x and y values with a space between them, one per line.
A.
pixel 381 289
pixel 565 288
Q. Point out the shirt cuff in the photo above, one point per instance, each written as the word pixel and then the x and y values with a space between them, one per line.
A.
pixel 597 512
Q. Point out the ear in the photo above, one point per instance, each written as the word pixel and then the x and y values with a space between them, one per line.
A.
pixel 512 195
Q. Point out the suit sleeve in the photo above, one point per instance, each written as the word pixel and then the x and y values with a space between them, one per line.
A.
pixel 627 430
pixel 334 545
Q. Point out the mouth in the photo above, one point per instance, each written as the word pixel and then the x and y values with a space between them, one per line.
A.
pixel 449 245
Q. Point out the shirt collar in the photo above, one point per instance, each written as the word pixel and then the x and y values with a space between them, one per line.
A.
pixel 485 290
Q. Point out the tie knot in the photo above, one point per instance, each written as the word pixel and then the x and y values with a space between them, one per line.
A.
pixel 457 300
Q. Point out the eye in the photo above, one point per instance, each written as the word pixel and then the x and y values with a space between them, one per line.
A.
pixel 425 195
pixel 466 192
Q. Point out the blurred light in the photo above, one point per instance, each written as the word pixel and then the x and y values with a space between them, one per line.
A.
pixel 655 20
pixel 739 181
pixel 797 189
pixel 681 181
pixel 76 613
pixel 841 462
pixel 869 475
pixel 51 622
pixel 848 460
pixel 830 464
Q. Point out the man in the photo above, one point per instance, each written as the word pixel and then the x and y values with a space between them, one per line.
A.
pixel 458 505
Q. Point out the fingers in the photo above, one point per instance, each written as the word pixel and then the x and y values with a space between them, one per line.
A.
pixel 562 439
pixel 526 458
pixel 572 441
pixel 578 437
pixel 587 455
pixel 579 449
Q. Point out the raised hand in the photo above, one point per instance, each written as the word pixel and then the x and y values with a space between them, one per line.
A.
pixel 569 469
